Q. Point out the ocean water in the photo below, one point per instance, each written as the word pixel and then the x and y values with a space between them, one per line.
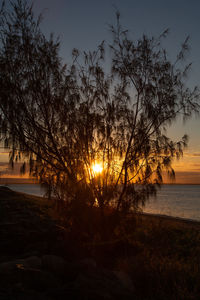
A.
pixel 176 200
pixel 31 189
pixel 173 200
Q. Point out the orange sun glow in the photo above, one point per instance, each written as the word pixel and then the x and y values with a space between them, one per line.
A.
pixel 97 168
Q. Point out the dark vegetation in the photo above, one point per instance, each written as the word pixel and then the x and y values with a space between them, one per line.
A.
pixel 42 257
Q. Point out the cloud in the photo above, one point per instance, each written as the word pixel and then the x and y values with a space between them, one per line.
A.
pixel 194 154
pixel 3 167
pixel 4 153
pixel 2 163
pixel 7 171
pixel 184 178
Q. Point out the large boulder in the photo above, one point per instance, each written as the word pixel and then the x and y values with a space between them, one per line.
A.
pixel 125 280
pixel 54 264
pixel 29 262
pixel 19 276
pixel 97 283
pixel 37 280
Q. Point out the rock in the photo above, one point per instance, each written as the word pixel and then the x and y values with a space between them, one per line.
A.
pixel 11 266
pixel 66 293
pixel 31 253
pixel 55 264
pixel 25 295
pixel 21 278
pixel 30 262
pixel 89 262
pixel 125 280
pixel 99 284
pixel 33 262
pixel 37 280
pixel 4 188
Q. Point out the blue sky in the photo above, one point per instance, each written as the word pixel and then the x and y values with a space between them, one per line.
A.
pixel 84 24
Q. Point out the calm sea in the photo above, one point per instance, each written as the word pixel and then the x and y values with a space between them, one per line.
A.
pixel 172 200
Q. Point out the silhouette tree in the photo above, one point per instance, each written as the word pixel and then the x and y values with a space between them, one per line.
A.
pixel 64 120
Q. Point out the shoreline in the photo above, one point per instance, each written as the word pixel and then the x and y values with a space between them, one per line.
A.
pixel 21 180
pixel 161 217
pixel 7 181
pixel 168 218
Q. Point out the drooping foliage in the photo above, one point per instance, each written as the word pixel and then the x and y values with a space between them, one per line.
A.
pixel 62 119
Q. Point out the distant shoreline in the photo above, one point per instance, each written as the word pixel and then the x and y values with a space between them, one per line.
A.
pixel 6 181
pixel 22 180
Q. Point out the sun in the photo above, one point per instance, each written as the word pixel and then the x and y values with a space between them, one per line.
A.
pixel 97 168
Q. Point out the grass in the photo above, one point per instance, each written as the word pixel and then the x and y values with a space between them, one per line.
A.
pixel 166 263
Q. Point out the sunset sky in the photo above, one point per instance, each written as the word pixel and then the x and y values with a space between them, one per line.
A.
pixel 83 24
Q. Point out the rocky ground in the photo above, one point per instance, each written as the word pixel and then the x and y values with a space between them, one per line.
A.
pixel 43 257
pixel 35 261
